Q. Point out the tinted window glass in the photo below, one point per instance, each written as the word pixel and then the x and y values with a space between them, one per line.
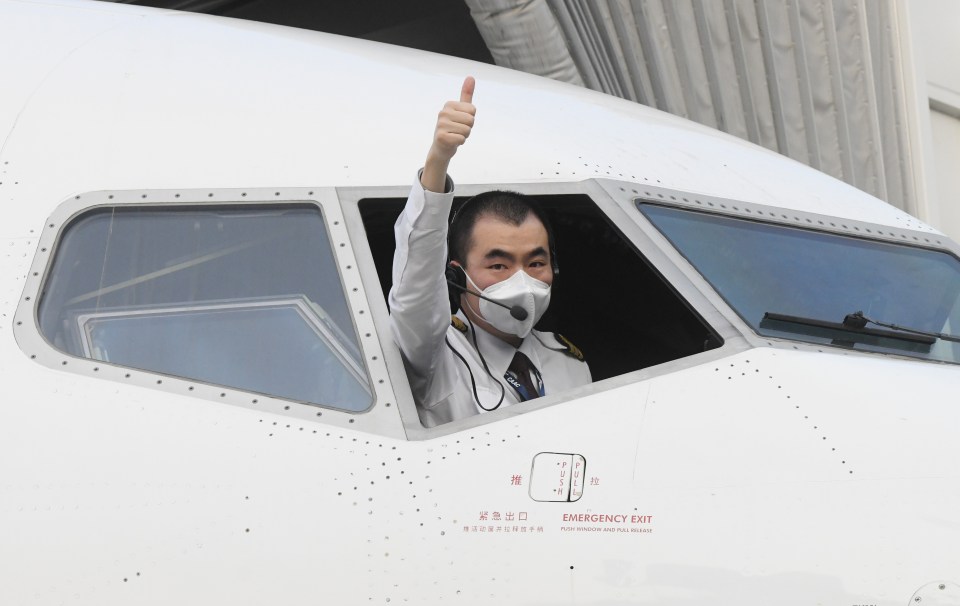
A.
pixel 246 298
pixel 807 275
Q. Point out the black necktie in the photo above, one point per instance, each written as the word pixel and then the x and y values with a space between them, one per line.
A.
pixel 520 370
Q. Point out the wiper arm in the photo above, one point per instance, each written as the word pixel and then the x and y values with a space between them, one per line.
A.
pixel 852 324
pixel 859 320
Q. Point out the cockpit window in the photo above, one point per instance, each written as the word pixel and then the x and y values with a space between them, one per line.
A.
pixel 607 298
pixel 249 298
pixel 807 285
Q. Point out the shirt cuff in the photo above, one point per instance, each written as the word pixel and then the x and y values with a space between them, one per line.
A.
pixel 435 210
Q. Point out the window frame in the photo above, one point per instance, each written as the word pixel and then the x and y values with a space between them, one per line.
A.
pixel 616 209
pixel 915 234
pixel 381 418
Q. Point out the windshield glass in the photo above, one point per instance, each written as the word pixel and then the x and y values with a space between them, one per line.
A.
pixel 759 268
pixel 249 298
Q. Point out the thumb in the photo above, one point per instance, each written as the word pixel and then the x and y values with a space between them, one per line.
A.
pixel 466 92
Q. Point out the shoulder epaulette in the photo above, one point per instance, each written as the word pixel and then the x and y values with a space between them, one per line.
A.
pixel 569 348
pixel 458 324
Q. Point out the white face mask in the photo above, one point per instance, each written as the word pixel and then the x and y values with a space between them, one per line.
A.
pixel 518 290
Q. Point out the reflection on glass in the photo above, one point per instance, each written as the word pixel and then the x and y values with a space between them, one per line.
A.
pixel 759 268
pixel 245 298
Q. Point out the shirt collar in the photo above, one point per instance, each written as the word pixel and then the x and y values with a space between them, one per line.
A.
pixel 498 353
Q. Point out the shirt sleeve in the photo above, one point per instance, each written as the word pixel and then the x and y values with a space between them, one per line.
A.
pixel 419 305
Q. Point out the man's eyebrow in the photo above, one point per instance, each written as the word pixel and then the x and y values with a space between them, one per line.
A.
pixel 497 253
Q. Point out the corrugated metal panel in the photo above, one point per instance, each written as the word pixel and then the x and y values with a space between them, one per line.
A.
pixel 526 36
pixel 817 80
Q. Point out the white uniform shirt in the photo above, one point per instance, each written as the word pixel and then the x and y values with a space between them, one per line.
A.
pixel 442 383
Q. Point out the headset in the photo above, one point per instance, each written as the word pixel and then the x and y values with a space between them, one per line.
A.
pixel 456 285
pixel 456 278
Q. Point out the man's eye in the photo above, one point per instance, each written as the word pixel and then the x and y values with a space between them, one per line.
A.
pixel 538 264
pixel 497 266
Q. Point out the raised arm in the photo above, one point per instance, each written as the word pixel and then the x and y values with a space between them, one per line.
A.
pixel 419 305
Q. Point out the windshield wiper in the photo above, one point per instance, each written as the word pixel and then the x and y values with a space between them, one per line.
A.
pixel 854 324
pixel 859 320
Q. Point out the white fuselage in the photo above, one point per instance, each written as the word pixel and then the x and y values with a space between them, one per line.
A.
pixel 760 472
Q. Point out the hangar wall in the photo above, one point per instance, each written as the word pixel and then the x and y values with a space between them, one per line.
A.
pixel 837 84
pixel 935 24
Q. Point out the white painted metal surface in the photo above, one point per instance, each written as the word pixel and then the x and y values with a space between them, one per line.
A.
pixel 760 472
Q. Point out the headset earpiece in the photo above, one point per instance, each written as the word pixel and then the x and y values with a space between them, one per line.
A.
pixel 454 273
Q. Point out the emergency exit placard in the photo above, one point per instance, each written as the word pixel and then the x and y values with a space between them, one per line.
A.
pixel 557 477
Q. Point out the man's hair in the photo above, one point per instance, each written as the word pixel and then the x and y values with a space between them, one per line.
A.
pixel 507 206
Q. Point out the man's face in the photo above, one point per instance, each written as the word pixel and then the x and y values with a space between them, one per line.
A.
pixel 499 250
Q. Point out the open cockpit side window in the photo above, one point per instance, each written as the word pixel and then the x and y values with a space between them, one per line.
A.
pixel 607 299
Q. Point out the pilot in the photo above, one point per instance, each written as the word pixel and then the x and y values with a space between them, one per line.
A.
pixel 499 245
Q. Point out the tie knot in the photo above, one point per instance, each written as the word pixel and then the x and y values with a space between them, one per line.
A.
pixel 521 361
pixel 523 373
